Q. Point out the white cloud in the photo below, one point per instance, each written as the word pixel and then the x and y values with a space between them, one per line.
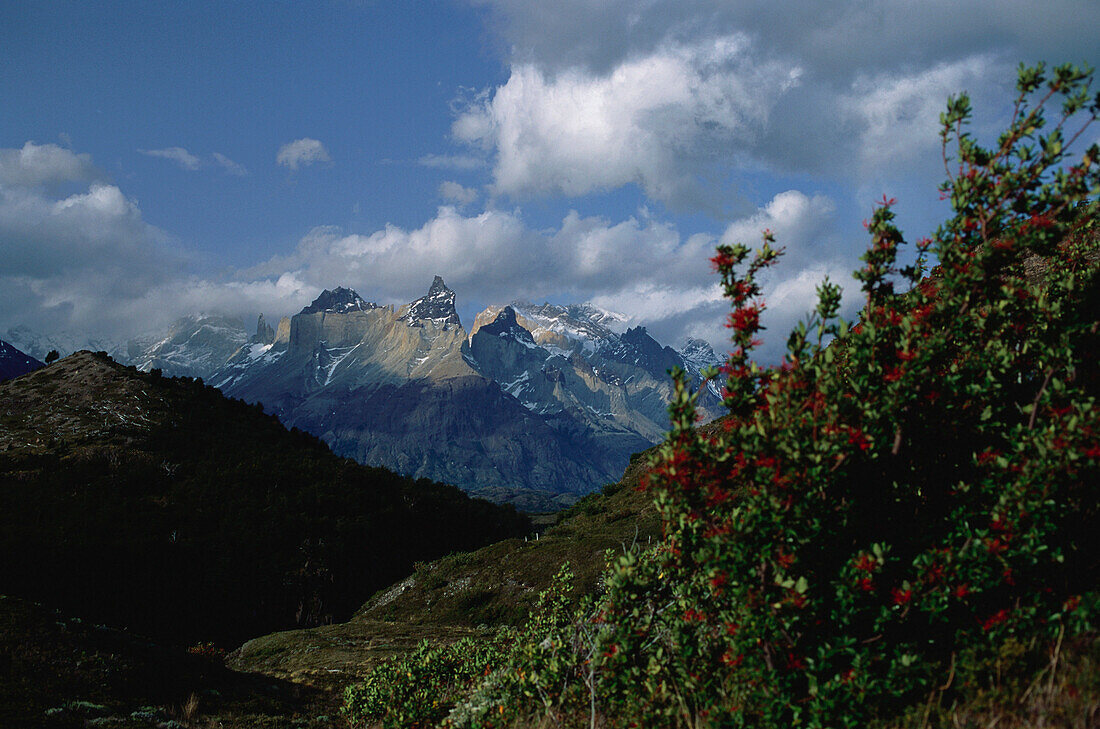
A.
pixel 190 162
pixel 42 164
pixel 835 37
pixel 640 266
pixel 458 194
pixel 302 152
pixel 72 261
pixel 655 121
pixel 231 167
pixel 898 114
pixel 179 155
pixel 690 98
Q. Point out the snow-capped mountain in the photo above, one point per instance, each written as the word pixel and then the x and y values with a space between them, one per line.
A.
pixel 559 359
pixel 38 345
pixel 437 306
pixel 699 356
pixel 14 363
pixel 399 388
pixel 194 346
pixel 546 397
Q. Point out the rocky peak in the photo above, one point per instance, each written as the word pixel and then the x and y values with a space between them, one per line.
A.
pixel 698 354
pixel 338 301
pixel 637 347
pixel 264 333
pixel 437 306
pixel 506 325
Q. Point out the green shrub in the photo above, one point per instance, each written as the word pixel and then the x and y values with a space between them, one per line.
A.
pixel 900 500
pixel 922 486
pixel 419 689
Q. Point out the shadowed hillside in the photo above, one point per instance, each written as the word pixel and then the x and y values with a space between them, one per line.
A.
pixel 160 505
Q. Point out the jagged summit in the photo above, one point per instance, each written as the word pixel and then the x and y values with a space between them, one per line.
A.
pixel 264 333
pixel 506 325
pixel 437 306
pixel 698 354
pixel 638 348
pixel 340 301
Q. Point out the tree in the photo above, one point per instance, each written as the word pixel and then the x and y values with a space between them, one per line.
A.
pixel 52 356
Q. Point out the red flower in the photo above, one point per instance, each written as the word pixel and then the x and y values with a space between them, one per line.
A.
pixel 987 456
pixel 866 563
pixel 995 619
pixel 866 584
pixel 731 659
pixel 857 438
pixel 901 597
pixel 962 590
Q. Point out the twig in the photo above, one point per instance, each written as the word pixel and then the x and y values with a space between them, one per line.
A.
pixel 1035 403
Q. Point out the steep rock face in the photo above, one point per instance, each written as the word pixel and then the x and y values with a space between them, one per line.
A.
pixel 14 363
pixel 558 359
pixel 437 307
pixel 397 388
pixel 264 333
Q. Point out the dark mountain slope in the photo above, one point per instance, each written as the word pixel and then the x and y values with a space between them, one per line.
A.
pixel 14 363
pixel 161 505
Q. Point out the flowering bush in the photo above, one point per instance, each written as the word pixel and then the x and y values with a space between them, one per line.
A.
pixel 894 499
pixel 924 483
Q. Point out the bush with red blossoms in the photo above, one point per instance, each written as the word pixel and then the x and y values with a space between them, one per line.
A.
pixel 898 497
pixel 899 491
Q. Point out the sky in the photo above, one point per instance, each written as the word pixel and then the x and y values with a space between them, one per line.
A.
pixel 173 158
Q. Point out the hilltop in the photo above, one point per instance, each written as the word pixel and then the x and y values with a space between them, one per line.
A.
pixel 160 505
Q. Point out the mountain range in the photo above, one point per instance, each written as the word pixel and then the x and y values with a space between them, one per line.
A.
pixel 535 404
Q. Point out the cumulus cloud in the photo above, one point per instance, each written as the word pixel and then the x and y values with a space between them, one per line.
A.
pixel 43 164
pixel 687 97
pixel 87 261
pixel 653 121
pixel 458 194
pixel 71 260
pixel 642 267
pixel 834 37
pixel 179 155
pixel 898 114
pixel 302 152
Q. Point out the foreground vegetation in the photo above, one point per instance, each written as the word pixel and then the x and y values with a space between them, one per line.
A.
pixel 893 527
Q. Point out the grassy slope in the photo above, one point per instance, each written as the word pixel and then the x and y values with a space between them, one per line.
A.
pixel 462 594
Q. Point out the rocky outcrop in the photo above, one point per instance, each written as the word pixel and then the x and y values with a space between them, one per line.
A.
pixel 437 307
pixel 543 397
pixel 264 333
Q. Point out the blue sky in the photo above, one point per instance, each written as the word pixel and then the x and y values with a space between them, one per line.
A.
pixel 160 159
